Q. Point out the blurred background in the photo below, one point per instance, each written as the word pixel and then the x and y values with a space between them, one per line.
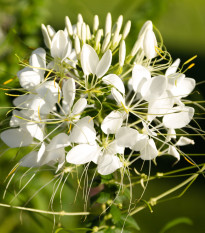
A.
pixel 182 25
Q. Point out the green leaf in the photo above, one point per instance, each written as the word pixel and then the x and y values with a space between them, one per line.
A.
pixel 106 178
pixel 130 222
pixel 176 222
pixel 116 213
pixel 58 230
pixel 103 198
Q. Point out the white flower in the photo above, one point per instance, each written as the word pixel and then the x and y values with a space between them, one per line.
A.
pixel 91 64
pixel 31 77
pixel 105 157
pixel 140 75
pixel 61 45
pixel 69 92
pixel 83 131
pixel 128 137
pixel 146 41
pixel 178 117
pixel 51 153
pixel 16 137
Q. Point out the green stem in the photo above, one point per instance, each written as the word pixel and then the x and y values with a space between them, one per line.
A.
pixel 61 213
pixel 153 200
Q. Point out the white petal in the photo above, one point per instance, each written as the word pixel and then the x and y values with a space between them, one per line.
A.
pixel 83 131
pixel 104 64
pixel 173 151
pixel 184 88
pixel 107 164
pixel 139 75
pixel 60 164
pixel 15 120
pixel 173 68
pixel 183 141
pixel 30 160
pixel 146 26
pixel 160 106
pixel 112 122
pixel 89 59
pixel 171 133
pixel 149 44
pixel 149 151
pixel 180 118
pixel 34 130
pixel 50 92
pixel 41 152
pixel 38 105
pixel 16 138
pixel 55 156
pixel 69 92
pixel 141 142
pixel 126 137
pixel 82 154
pixel 173 81
pixel 38 59
pixel 51 31
pixel 28 79
pixel 20 100
pixel 79 106
pixel 59 141
pixel 60 46
pixel 114 148
pixel 154 88
pixel 114 80
pixel 46 37
pixel 118 97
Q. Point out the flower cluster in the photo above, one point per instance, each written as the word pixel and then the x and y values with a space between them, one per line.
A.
pixel 87 100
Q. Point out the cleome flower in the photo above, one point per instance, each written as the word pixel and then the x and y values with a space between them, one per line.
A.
pixel 89 101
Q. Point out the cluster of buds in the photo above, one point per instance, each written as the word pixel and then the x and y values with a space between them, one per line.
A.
pixel 86 100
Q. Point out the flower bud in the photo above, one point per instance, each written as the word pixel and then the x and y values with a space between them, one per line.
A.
pixel 106 42
pixel 95 23
pixel 51 31
pixel 88 34
pixel 77 46
pixel 126 29
pixel 108 24
pixel 80 18
pixel 46 36
pixel 68 26
pixel 122 53
pixel 99 34
pixel 83 33
pixel 79 28
pixel 136 46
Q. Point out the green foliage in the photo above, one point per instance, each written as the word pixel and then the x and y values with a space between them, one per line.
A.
pixel 175 222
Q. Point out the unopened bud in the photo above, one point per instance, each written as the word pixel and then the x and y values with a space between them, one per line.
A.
pixel 68 26
pixel 95 23
pixel 88 34
pixel 46 36
pixel 126 29
pixel 83 33
pixel 51 31
pixel 108 24
pixel 77 46
pixel 119 23
pixel 98 37
pixel 146 26
pixel 79 28
pixel 136 47
pixel 80 18
pixel 106 42
pixel 122 53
